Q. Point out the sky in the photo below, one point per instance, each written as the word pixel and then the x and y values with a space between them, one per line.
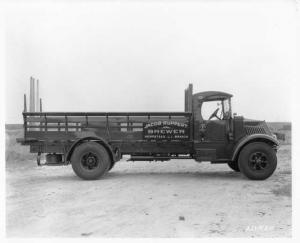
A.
pixel 133 56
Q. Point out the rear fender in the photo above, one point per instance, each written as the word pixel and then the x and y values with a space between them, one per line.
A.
pixel 253 138
pixel 99 140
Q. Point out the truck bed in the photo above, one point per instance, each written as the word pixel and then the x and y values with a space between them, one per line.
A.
pixel 133 132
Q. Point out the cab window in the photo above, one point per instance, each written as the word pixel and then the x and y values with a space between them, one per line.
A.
pixel 216 110
pixel 209 107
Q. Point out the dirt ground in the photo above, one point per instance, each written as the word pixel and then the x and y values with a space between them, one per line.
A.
pixel 179 198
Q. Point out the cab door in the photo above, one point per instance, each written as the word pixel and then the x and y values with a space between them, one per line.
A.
pixel 211 132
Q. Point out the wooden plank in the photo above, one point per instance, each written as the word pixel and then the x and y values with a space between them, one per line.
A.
pixel 126 136
pixel 107 113
pixel 103 119
pixel 51 135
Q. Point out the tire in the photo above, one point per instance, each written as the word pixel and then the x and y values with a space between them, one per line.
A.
pixel 90 161
pixel 257 161
pixel 234 165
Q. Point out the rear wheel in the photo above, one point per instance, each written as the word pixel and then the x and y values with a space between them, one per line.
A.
pixel 234 165
pixel 90 161
pixel 257 161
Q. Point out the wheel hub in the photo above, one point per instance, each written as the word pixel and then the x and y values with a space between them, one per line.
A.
pixel 89 161
pixel 258 161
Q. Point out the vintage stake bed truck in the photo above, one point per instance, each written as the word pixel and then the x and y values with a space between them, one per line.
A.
pixel 94 141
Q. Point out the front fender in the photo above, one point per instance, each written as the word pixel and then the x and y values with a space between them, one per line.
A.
pixel 252 138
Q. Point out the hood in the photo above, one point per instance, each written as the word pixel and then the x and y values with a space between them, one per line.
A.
pixel 255 127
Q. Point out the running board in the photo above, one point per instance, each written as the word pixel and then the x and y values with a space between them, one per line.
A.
pixel 157 158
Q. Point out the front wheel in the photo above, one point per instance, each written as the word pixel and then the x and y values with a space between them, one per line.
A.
pixel 90 161
pixel 257 161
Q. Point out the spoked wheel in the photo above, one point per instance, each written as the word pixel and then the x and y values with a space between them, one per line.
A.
pixel 90 161
pixel 257 161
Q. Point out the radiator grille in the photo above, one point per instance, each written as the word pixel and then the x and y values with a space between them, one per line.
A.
pixel 255 129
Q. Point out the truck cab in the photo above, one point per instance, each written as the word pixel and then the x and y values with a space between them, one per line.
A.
pixel 220 137
pixel 213 125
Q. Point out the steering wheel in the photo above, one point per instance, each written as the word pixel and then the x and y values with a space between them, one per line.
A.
pixel 214 114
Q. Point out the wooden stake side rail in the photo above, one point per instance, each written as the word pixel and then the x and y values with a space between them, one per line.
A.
pixel 104 122
pixel 107 113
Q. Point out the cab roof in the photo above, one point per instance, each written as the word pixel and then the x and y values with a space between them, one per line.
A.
pixel 212 95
